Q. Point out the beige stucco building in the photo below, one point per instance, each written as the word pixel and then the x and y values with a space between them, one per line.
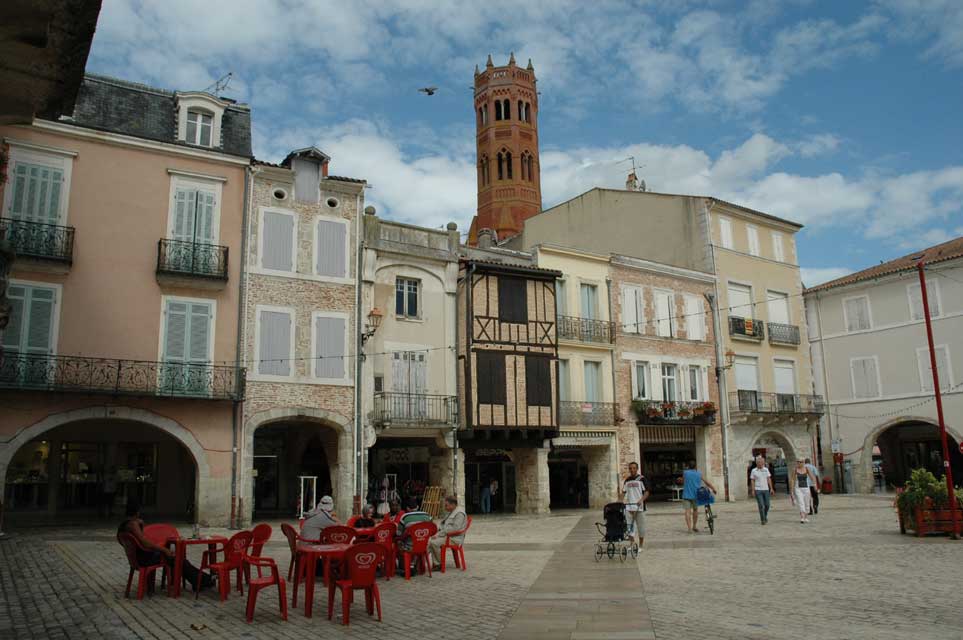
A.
pixel 867 333
pixel 299 336
pixel 120 359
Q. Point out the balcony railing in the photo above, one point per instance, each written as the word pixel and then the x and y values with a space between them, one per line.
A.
pixel 585 329
pixel 120 377
pixel 38 240
pixel 783 333
pixel 746 328
pixel 767 402
pixel 194 259
pixel 414 408
pixel 660 412
pixel 586 413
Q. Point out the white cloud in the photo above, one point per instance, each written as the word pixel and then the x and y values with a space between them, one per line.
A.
pixel 812 276
pixel 938 22
pixel 817 145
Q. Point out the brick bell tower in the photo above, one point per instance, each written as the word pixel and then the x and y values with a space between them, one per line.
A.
pixel 506 120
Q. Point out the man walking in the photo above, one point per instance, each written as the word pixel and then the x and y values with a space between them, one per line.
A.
pixel 634 494
pixel 814 490
pixel 691 481
pixel 761 487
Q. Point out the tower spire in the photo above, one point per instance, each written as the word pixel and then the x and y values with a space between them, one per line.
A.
pixel 489 63
pixel 511 58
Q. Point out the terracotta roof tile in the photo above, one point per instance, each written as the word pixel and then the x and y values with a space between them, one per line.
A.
pixel 939 253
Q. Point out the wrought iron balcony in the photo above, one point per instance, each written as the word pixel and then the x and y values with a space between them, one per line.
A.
pixel 585 329
pixel 580 413
pixel 414 409
pixel 746 328
pixel 120 377
pixel 766 402
pixel 38 240
pixel 676 412
pixel 783 333
pixel 191 259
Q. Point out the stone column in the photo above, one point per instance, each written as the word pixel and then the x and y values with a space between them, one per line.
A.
pixel 441 473
pixel 531 481
pixel 602 476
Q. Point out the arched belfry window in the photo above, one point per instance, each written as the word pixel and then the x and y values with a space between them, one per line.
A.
pixel 507 109
pixel 521 111
pixel 508 163
pixel 501 166
pixel 527 166
pixel 498 110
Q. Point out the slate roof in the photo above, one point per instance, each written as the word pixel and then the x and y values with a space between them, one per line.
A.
pixel 940 253
pixel 343 179
pixel 129 108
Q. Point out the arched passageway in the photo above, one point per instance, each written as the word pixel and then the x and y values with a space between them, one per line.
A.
pixel 900 448
pixel 780 457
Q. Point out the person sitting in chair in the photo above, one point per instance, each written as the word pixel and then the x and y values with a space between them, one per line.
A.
pixel 149 552
pixel 365 520
pixel 319 519
pixel 455 520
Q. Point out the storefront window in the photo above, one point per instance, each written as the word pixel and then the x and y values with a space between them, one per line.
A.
pixel 27 477
pixel 80 468
pixel 136 472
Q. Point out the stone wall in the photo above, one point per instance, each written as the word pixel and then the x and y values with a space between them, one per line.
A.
pixel 531 481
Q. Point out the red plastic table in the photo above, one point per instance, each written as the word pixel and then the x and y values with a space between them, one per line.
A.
pixel 364 534
pixel 180 553
pixel 310 554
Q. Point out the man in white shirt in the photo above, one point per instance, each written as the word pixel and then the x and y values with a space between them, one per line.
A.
pixel 814 491
pixel 634 494
pixel 761 486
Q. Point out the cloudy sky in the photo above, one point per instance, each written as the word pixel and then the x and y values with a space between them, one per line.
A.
pixel 844 116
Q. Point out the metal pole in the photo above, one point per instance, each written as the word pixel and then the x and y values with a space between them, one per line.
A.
pixel 948 469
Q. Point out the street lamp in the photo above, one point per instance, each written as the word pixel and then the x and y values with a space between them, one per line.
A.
pixel 374 321
pixel 730 356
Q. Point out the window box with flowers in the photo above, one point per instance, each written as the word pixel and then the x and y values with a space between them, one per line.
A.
pixel 655 412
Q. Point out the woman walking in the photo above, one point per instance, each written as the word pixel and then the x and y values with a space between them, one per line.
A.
pixel 802 479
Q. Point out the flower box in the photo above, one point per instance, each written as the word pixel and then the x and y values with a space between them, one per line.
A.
pixel 925 521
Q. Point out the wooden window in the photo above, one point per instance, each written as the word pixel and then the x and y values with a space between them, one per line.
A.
pixel 865 377
pixel 278 232
pixel 275 342
pixel 490 370
pixel 330 346
pixel 856 313
pixel 538 381
pixel 406 297
pixel 332 248
pixel 512 299
pixel 199 127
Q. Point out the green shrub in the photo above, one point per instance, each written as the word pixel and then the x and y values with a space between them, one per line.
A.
pixel 922 490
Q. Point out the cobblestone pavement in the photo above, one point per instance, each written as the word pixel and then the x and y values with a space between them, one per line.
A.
pixel 849 574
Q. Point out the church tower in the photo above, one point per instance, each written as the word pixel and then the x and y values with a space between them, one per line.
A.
pixel 506 122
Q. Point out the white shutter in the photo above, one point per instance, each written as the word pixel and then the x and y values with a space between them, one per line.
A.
pixel 175 334
pixel 857 314
pixel 200 333
pixel 589 299
pixel 274 339
pixel 276 245
pixel 185 204
pixel 864 378
pixel 561 304
pixel 778 252
pixel 752 235
pixel 204 229
pixel 13 334
pixel 695 319
pixel 778 304
pixel 785 377
pixel 591 381
pixel 36 193
pixel 420 368
pixel 725 232
pixel 664 308
pixel 942 368
pixel 915 293
pixel 740 301
pixel 631 308
pixel 331 248
pixel 399 371
pixel 329 342
pixel 40 321
pixel 747 374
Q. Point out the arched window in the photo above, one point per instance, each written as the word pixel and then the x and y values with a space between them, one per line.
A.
pixel 481 118
pixel 507 110
pixel 527 166
pixel 521 111
pixel 501 160
pixel 498 110
pixel 508 162
pixel 485 114
pixel 528 112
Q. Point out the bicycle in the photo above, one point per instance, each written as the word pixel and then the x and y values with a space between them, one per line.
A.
pixel 705 498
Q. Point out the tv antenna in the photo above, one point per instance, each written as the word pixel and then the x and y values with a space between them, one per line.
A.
pixel 221 84
pixel 634 176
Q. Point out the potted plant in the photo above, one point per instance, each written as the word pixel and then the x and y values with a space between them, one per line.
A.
pixel 684 412
pixel 922 504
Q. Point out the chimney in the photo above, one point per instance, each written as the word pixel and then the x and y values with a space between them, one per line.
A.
pixel 487 238
pixel 324 169
pixel 632 182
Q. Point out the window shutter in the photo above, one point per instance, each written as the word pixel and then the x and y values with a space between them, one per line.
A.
pixel 785 377
pixel 725 232
pixel 664 312
pixel 694 318
pixel 185 205
pixel 564 384
pixel 175 336
pixel 200 333
pixel 752 235
pixel 331 248
pixel 591 381
pixel 491 377
pixel 538 382
pixel 777 249
pixel 276 244
pixel 740 301
pixel 512 299
pixel 926 371
pixel 40 321
pixel 420 366
pixel 561 304
pixel 36 193
pixel 329 343
pixel 857 314
pixel 205 217
pixel 275 344
pixel 13 334
pixel 864 378
pixel 630 310
pixel 778 304
pixel 747 374
pixel 589 300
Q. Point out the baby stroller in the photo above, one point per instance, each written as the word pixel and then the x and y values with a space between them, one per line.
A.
pixel 615 540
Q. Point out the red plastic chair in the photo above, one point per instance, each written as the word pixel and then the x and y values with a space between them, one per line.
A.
pixel 255 584
pixel 234 551
pixel 160 534
pixel 261 534
pixel 361 566
pixel 457 550
pixel 352 520
pixel 420 533
pixel 337 534
pixel 385 536
pixel 145 573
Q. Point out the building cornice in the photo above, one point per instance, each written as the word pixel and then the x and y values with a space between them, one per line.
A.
pixel 33 146
pixel 570 251
pixel 663 269
pixel 122 140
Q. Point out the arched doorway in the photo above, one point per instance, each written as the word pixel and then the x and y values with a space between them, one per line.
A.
pixel 92 467
pixel 568 479
pixel 780 457
pixel 899 448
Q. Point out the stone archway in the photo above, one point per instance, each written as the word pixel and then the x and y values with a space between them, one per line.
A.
pixel 863 463
pixel 794 443
pixel 340 456
pixel 211 506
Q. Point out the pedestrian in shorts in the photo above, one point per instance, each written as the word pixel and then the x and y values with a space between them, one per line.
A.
pixel 634 494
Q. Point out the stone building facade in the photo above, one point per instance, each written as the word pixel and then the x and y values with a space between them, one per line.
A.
pixel 666 384
pixel 409 280
pixel 299 337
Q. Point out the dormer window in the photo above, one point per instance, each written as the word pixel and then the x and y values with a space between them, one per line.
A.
pixel 199 128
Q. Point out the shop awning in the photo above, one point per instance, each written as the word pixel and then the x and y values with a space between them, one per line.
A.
pixel 578 439
pixel 666 435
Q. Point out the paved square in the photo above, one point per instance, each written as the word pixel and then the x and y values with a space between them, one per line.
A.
pixel 849 574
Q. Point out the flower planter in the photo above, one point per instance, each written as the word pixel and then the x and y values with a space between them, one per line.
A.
pixel 925 521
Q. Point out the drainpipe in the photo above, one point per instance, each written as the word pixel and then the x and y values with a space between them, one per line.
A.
pixel 359 363
pixel 238 405
pixel 824 358
pixel 617 414
pixel 455 417
pixel 720 372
